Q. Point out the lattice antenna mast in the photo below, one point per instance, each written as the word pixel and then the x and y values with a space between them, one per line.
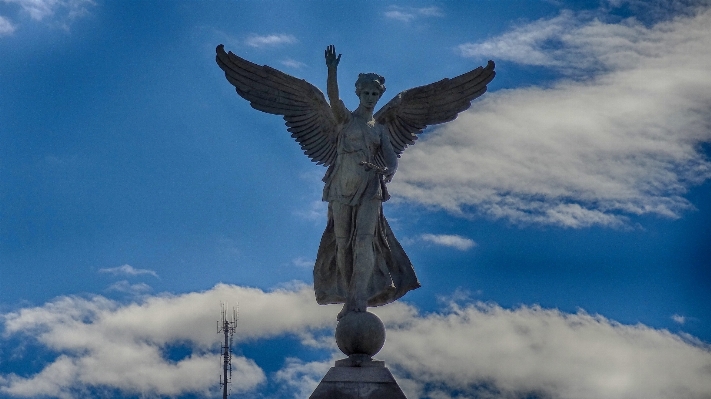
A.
pixel 227 326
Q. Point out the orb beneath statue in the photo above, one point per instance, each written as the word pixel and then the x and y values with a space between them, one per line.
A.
pixel 360 333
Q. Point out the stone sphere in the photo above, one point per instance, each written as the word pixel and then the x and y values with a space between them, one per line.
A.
pixel 360 333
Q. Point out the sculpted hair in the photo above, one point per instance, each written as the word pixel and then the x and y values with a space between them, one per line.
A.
pixel 369 78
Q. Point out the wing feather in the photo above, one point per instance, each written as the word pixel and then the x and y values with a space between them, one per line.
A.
pixel 330 155
pixel 317 152
pixel 302 124
pixel 313 140
pixel 411 111
pixel 306 113
pixel 396 139
pixel 305 135
pixel 301 118
pixel 304 130
pixel 258 73
pixel 251 82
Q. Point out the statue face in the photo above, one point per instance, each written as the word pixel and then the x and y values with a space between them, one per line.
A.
pixel 369 96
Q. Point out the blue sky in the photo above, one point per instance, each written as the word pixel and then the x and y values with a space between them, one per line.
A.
pixel 560 228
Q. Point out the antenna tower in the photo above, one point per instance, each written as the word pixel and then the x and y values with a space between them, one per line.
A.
pixel 227 326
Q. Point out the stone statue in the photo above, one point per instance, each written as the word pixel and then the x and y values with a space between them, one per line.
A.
pixel 359 261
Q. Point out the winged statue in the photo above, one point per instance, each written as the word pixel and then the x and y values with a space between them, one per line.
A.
pixel 359 262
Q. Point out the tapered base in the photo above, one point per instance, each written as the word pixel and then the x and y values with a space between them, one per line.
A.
pixel 370 380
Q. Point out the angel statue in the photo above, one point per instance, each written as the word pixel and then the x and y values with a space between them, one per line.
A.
pixel 359 261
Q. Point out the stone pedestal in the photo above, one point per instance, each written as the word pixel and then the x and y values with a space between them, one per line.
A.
pixel 370 380
pixel 360 336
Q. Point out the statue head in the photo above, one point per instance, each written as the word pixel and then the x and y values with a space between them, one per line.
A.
pixel 369 79
pixel 369 88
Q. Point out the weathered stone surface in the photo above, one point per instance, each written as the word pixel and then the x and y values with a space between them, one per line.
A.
pixel 359 261
pixel 358 383
pixel 360 333
pixel 359 360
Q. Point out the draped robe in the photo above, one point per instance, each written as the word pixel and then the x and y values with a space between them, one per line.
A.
pixel 350 183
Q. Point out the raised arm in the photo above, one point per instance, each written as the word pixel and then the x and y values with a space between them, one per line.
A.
pixel 339 110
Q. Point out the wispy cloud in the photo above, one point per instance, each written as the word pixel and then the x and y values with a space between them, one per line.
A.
pixel 61 12
pixel 625 140
pixel 678 319
pixel 128 288
pixel 128 270
pixel 450 240
pixel 408 14
pixel 6 27
pixel 529 44
pixel 270 40
pixel 292 63
pixel 303 262
pixel 316 211
pixel 476 349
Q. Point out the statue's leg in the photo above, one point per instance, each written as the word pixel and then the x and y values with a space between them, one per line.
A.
pixel 364 254
pixel 342 226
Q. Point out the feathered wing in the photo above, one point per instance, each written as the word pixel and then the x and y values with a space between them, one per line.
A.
pixel 411 111
pixel 307 114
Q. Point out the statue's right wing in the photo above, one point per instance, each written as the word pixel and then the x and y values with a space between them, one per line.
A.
pixel 307 114
pixel 413 110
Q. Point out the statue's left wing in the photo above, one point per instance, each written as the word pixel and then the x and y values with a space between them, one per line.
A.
pixel 307 114
pixel 411 111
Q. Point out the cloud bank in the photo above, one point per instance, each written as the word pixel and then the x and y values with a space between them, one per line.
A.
pixel 477 350
pixel 485 351
pixel 621 136
pixel 103 344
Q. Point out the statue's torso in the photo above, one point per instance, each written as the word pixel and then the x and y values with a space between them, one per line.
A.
pixel 349 182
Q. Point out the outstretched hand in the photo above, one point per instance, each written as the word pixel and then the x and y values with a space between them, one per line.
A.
pixel 331 59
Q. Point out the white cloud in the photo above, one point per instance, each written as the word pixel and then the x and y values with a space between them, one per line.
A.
pixel 38 9
pixel 485 351
pixel 6 27
pixel 41 9
pixel 293 63
pixel 301 378
pixel 104 344
pixel 128 288
pixel 626 141
pixel 678 319
pixel 303 262
pixel 450 240
pixel 524 44
pixel 128 270
pixel 534 350
pixel 408 14
pixel 270 40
